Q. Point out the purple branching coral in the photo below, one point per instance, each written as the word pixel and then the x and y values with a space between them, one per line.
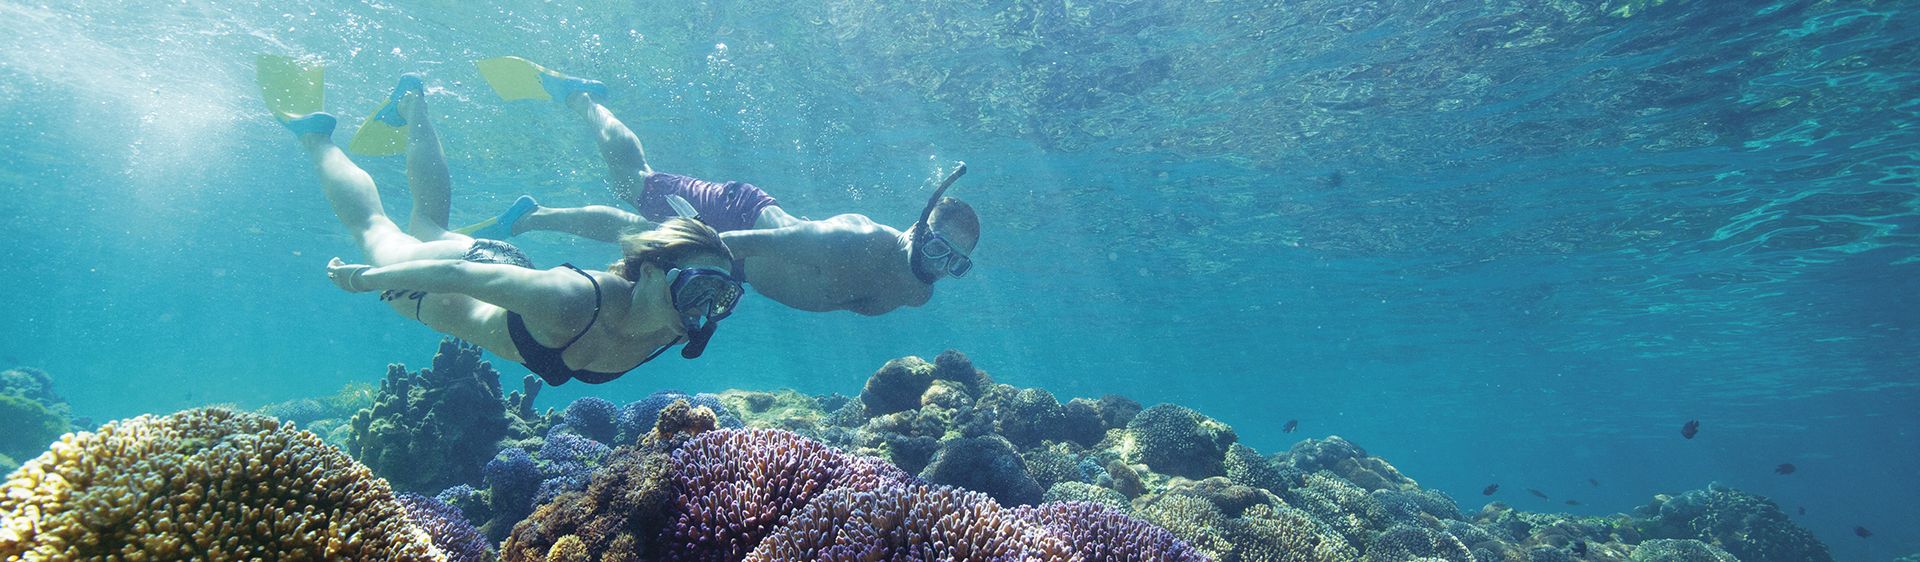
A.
pixel 906 523
pixel 450 530
pixel 732 487
pixel 1101 534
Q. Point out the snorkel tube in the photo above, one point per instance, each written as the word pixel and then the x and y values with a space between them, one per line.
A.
pixel 920 228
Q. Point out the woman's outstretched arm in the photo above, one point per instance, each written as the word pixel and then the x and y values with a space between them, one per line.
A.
pixel 531 292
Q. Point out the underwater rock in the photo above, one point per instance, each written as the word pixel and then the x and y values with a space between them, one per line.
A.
pixel 1175 440
pixel 897 386
pixel 1750 527
pixel 1679 550
pixel 451 533
pixel 436 427
pixel 1081 423
pixel 989 465
pixel 206 484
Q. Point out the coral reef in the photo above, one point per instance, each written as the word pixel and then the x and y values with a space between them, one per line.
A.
pixel 32 413
pixel 437 427
pixel 1175 440
pixel 450 530
pixel 30 426
pixel 761 494
pixel 637 418
pixel 1750 527
pixel 897 386
pixel 592 417
pixel 1679 550
pixel 206 484
pixel 1101 533
pixel 938 461
pixel 987 464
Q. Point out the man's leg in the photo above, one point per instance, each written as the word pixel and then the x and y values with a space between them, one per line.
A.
pixel 627 168
pixel 598 222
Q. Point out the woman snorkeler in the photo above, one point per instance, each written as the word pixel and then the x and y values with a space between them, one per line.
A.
pixel 564 323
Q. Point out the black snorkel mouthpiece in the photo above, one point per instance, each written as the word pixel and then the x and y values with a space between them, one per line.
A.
pixel 697 341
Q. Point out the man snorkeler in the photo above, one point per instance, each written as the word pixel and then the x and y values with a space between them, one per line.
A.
pixel 846 262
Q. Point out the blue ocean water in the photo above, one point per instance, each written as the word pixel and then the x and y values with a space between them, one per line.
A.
pixel 1513 242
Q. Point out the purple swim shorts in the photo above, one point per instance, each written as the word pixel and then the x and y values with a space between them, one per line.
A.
pixel 724 206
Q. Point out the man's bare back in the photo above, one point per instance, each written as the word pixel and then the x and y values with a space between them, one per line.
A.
pixel 847 262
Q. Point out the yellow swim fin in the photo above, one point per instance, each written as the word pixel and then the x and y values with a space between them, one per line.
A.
pixel 385 131
pixel 515 78
pixel 291 88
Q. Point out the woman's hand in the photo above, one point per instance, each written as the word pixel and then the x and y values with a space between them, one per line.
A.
pixel 347 275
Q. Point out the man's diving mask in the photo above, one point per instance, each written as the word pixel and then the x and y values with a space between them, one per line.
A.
pixel 702 297
pixel 941 255
pixel 934 249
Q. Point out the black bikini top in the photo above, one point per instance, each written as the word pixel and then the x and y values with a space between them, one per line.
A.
pixel 547 361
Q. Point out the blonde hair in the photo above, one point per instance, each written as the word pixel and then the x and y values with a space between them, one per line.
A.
pixel 671 244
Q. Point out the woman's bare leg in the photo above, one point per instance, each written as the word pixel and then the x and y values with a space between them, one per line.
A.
pixel 356 202
pixel 626 161
pixel 427 176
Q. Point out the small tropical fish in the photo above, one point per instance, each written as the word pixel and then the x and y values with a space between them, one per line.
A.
pixel 1692 427
pixel 1537 493
pixel 1863 532
pixel 1580 548
pixel 1803 510
pixel 1491 488
pixel 1593 482
pixel 1291 425
pixel 1573 502
pixel 1785 468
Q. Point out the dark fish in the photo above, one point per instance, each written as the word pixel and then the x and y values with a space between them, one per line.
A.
pixel 1692 427
pixel 1593 482
pixel 1580 548
pixel 1803 510
pixel 1573 502
pixel 1785 468
pixel 1863 532
pixel 1491 488
pixel 1291 425
pixel 1537 493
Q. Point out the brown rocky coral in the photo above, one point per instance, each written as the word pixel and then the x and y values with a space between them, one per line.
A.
pixel 206 484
